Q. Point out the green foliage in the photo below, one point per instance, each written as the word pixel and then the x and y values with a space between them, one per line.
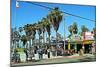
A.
pixel 24 39
pixel 73 28
pixel 84 28
pixel 20 49
pixel 55 18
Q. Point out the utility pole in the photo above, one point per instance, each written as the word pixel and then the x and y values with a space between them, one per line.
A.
pixel 64 34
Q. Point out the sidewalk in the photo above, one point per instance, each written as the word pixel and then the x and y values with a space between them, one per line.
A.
pixel 73 56
pixel 61 59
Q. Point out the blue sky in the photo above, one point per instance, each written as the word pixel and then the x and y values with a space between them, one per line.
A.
pixel 29 14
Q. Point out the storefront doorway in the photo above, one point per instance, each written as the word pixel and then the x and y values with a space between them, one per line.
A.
pixel 79 46
pixel 87 48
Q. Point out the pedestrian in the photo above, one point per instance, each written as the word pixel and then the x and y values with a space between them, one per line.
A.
pixel 62 51
pixel 93 49
pixel 40 53
pixel 48 51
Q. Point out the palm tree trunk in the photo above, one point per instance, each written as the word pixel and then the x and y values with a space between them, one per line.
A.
pixel 32 42
pixel 39 40
pixel 12 44
pixel 18 44
pixel 29 43
pixel 43 39
pixel 15 44
pixel 56 43
pixel 26 45
pixel 49 41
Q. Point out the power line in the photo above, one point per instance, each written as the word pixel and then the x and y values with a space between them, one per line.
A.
pixel 79 17
pixel 61 11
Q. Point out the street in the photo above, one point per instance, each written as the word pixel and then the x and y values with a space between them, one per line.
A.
pixel 64 59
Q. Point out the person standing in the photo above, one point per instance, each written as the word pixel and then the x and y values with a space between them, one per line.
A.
pixel 93 48
pixel 48 51
pixel 40 53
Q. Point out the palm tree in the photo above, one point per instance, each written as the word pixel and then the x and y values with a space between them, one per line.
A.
pixel 28 31
pixel 38 27
pixel 48 27
pixel 24 39
pixel 43 27
pixel 55 18
pixel 84 28
pixel 20 30
pixel 70 29
pixel 33 32
pixel 16 36
pixel 75 29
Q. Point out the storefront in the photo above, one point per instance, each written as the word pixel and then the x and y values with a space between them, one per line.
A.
pixel 78 42
pixel 77 45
